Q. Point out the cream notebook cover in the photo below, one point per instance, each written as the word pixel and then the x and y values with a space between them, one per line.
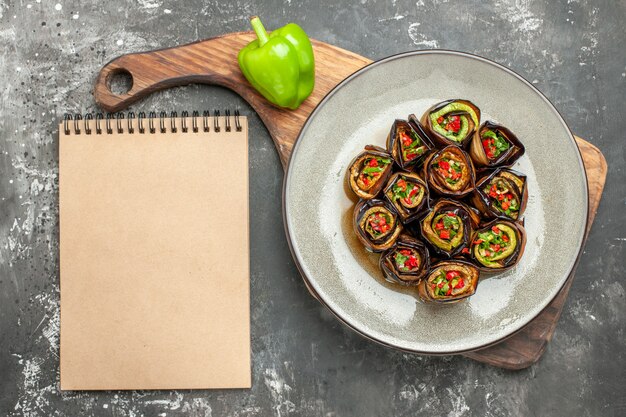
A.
pixel 154 254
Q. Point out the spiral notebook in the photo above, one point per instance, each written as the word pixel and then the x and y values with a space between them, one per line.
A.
pixel 154 252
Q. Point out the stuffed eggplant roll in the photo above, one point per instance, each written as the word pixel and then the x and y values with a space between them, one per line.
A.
pixel 452 122
pixel 499 245
pixel 376 225
pixel 450 172
pixel 408 195
pixel 369 172
pixel 495 145
pixel 405 144
pixel 448 227
pixel 449 282
pixel 502 194
pixel 406 262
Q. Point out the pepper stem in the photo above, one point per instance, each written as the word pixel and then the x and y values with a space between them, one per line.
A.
pixel 259 29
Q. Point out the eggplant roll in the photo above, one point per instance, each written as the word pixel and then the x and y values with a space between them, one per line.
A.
pixel 452 122
pixel 449 282
pixel 450 172
pixel 408 195
pixel 502 193
pixel 369 172
pixel 448 227
pixel 406 262
pixel 406 145
pixel 376 224
pixel 499 245
pixel 495 145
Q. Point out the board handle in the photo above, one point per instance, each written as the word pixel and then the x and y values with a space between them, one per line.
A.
pixel 211 61
pixel 214 61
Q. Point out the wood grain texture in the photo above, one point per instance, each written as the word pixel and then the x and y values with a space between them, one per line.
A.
pixel 527 346
pixel 214 61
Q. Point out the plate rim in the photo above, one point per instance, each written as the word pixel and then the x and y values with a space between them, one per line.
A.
pixel 295 256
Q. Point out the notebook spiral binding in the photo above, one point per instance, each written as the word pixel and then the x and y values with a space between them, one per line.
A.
pixel 107 124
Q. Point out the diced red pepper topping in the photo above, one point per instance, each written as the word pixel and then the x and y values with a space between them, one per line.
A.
pixel 440 285
pixel 465 251
pixel 444 234
pixel 490 147
pixel 478 241
pixel 401 184
pixel 379 223
pixel 439 226
pixel 411 262
pixel 445 169
pixel 373 162
pixel 460 284
pixel 495 230
pixel 451 274
pixel 409 199
pixel 454 124
pixel 506 205
pixel 449 291
pixel 450 214
pixel 405 252
pixel 505 237
pixel 410 156
pixel 406 140
pixel 440 120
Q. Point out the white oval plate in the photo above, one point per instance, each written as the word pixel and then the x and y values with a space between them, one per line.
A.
pixel 318 204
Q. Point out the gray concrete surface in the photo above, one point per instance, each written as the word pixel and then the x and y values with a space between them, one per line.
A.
pixel 305 362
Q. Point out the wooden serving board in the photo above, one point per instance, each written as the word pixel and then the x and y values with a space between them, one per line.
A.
pixel 214 61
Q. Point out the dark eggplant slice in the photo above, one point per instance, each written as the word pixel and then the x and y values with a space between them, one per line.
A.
pixel 503 194
pixel 408 195
pixel 449 282
pixel 452 122
pixel 448 227
pixel 450 172
pixel 495 145
pixel 376 224
pixel 498 246
pixel 406 262
pixel 369 171
pixel 406 145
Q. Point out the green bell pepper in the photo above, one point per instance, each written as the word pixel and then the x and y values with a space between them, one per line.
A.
pixel 280 65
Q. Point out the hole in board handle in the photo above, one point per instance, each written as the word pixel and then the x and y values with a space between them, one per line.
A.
pixel 120 81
